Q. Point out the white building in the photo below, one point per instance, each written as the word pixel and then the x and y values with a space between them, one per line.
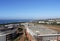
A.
pixel 2 37
pixel 41 22
pixel 58 22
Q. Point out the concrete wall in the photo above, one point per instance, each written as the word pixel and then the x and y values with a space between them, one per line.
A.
pixel 29 36
pixel 3 38
pixel 59 38
pixel 50 38
pixel 38 38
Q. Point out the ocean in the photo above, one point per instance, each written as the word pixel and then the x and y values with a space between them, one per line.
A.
pixel 11 21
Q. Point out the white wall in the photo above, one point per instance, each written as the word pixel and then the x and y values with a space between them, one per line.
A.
pixel 3 38
pixel 52 38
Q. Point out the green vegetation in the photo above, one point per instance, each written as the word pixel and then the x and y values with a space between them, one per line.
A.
pixel 20 29
pixel 16 39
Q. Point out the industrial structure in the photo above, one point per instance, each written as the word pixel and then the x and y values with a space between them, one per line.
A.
pixel 8 32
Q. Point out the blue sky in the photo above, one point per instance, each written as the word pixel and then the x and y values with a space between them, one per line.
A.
pixel 29 9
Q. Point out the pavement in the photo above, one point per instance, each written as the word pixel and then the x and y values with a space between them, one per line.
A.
pixel 41 30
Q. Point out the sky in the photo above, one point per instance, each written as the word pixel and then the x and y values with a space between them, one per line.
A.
pixel 29 9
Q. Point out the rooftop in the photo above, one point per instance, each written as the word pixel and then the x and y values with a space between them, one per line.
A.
pixel 42 29
pixel 7 29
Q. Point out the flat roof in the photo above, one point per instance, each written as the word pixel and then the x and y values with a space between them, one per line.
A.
pixel 53 27
pixel 42 30
pixel 7 32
